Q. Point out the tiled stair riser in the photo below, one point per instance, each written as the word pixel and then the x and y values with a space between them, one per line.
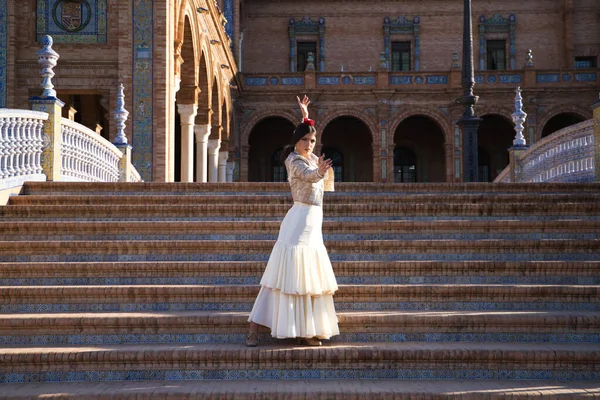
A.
pixel 277 374
pixel 333 257
pixel 344 280
pixel 133 338
pixel 33 308
pixel 326 237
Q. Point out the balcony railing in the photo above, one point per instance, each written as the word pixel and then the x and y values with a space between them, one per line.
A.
pixel 565 156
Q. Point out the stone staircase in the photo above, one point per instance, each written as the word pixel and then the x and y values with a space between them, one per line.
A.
pixel 447 291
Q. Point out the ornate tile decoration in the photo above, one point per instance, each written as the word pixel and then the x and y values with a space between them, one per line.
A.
pixel 143 51
pixel 68 21
pixel 292 80
pixel 258 81
pixel 364 80
pixel 3 49
pixel 585 77
pixel 545 78
pixel 436 79
pixel 514 78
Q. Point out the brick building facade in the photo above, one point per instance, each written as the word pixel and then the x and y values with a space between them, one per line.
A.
pixel 211 86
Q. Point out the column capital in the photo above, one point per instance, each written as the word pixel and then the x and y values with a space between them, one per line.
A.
pixel 202 132
pixel 214 145
pixel 187 112
pixel 223 156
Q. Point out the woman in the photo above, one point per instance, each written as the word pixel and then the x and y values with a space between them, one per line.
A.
pixel 295 299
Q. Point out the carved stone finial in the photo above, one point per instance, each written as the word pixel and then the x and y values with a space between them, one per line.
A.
pixel 519 117
pixel 529 58
pixel 47 60
pixel 120 114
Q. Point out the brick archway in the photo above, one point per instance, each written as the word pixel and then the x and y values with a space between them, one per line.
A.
pixel 323 121
pixel 552 112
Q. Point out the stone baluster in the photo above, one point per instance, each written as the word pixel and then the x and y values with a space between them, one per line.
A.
pixel 11 147
pixel 3 148
pixel 596 117
pixel 120 115
pixel 519 143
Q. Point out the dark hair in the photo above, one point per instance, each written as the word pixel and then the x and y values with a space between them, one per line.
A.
pixel 301 130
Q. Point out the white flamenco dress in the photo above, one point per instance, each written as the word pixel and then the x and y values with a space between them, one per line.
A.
pixel 297 287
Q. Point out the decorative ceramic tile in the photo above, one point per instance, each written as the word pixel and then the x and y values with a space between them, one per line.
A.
pixel 84 21
pixel 143 88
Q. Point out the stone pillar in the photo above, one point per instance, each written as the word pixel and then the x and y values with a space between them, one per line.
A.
pixel 202 133
pixel 230 169
pixel 213 159
pixel 596 107
pixel 188 114
pixel 223 155
pixel 49 103
pixel 515 152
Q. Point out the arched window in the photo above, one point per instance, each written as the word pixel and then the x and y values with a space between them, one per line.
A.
pixel 405 165
pixel 338 162
pixel 279 172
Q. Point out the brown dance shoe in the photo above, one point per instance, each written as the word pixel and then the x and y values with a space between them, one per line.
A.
pixel 252 340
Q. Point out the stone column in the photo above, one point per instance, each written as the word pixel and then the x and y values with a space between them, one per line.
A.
pixel 223 155
pixel 202 133
pixel 230 169
pixel 213 159
pixel 187 113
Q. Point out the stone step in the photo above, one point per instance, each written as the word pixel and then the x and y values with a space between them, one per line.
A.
pixel 74 188
pixel 132 298
pixel 231 327
pixel 53 228
pixel 258 250
pixel 141 211
pixel 347 272
pixel 309 389
pixel 289 361
pixel 286 198
pixel 571 228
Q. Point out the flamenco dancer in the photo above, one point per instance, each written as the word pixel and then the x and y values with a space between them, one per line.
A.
pixel 297 287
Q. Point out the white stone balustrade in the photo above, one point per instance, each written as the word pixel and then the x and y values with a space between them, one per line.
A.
pixel 565 156
pixel 21 146
pixel 87 156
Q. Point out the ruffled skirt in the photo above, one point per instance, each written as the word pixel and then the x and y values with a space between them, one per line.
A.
pixel 297 287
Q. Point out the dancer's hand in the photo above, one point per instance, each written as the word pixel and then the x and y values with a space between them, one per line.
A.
pixel 324 165
pixel 303 105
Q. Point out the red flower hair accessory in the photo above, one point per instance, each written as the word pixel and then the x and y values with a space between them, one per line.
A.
pixel 308 121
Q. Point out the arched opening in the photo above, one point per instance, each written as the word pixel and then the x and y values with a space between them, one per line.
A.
pixel 267 138
pixel 349 140
pixel 484 164
pixel 177 169
pixel 419 154
pixel 405 165
pixel 338 162
pixel 278 167
pixel 559 122
pixel 494 137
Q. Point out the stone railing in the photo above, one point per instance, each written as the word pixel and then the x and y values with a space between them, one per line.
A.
pixel 565 156
pixel 41 145
pixel 21 146
pixel 87 156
